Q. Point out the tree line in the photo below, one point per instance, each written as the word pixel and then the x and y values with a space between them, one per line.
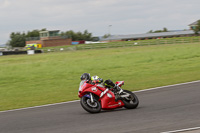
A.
pixel 18 39
pixel 157 31
pixel 197 28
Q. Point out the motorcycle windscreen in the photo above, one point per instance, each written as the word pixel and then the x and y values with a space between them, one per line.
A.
pixel 81 83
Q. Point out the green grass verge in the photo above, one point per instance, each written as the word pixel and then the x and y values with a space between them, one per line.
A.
pixel 30 80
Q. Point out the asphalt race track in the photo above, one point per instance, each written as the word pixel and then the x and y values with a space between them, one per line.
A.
pixel 160 110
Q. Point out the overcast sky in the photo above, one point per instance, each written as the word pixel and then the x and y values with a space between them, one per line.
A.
pixel 125 16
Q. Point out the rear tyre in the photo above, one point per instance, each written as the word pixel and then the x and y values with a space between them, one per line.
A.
pixel 89 106
pixel 130 102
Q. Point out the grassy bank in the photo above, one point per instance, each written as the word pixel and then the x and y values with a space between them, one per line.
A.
pixel 49 78
pixel 175 40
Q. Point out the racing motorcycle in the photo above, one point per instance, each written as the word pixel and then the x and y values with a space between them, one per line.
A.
pixel 97 97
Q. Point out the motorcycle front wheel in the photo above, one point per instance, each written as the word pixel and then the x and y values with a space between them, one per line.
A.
pixel 90 107
pixel 130 102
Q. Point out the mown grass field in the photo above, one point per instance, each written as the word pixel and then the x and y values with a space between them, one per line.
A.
pixel 30 80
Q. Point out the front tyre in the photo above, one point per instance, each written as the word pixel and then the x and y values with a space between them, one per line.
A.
pixel 89 106
pixel 130 102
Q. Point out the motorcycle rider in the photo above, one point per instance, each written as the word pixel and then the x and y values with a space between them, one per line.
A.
pixel 96 80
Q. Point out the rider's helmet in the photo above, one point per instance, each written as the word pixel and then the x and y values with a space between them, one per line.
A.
pixel 85 76
pixel 96 79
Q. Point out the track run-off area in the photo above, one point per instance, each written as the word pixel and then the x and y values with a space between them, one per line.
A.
pixel 167 109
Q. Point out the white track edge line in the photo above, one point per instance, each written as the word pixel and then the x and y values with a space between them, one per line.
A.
pixel 39 106
pixel 168 86
pixel 79 100
pixel 182 130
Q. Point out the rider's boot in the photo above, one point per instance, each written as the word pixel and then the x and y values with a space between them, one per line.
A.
pixel 117 89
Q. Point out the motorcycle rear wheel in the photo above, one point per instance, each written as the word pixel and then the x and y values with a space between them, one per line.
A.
pixel 89 106
pixel 130 102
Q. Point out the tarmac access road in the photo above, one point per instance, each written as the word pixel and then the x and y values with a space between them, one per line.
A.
pixel 163 109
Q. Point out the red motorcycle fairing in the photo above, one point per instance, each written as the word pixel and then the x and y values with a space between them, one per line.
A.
pixel 106 96
pixel 108 101
pixel 86 87
pixel 120 83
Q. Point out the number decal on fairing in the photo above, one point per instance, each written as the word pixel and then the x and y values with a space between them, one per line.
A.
pixel 94 89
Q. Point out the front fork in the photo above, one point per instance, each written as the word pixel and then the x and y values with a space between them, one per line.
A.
pixel 92 99
pixel 90 96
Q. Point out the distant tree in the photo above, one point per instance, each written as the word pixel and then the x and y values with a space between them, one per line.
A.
pixel 34 33
pixel 151 31
pixel 78 36
pixel 71 34
pixel 197 28
pixel 87 35
pixel 157 31
pixel 17 39
pixel 165 29
pixel 106 35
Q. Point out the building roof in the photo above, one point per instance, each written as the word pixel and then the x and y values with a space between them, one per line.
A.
pixel 149 35
pixel 49 31
pixel 194 23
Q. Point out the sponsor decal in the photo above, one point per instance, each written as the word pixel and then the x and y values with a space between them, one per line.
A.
pixel 118 104
pixel 113 105
pixel 94 89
